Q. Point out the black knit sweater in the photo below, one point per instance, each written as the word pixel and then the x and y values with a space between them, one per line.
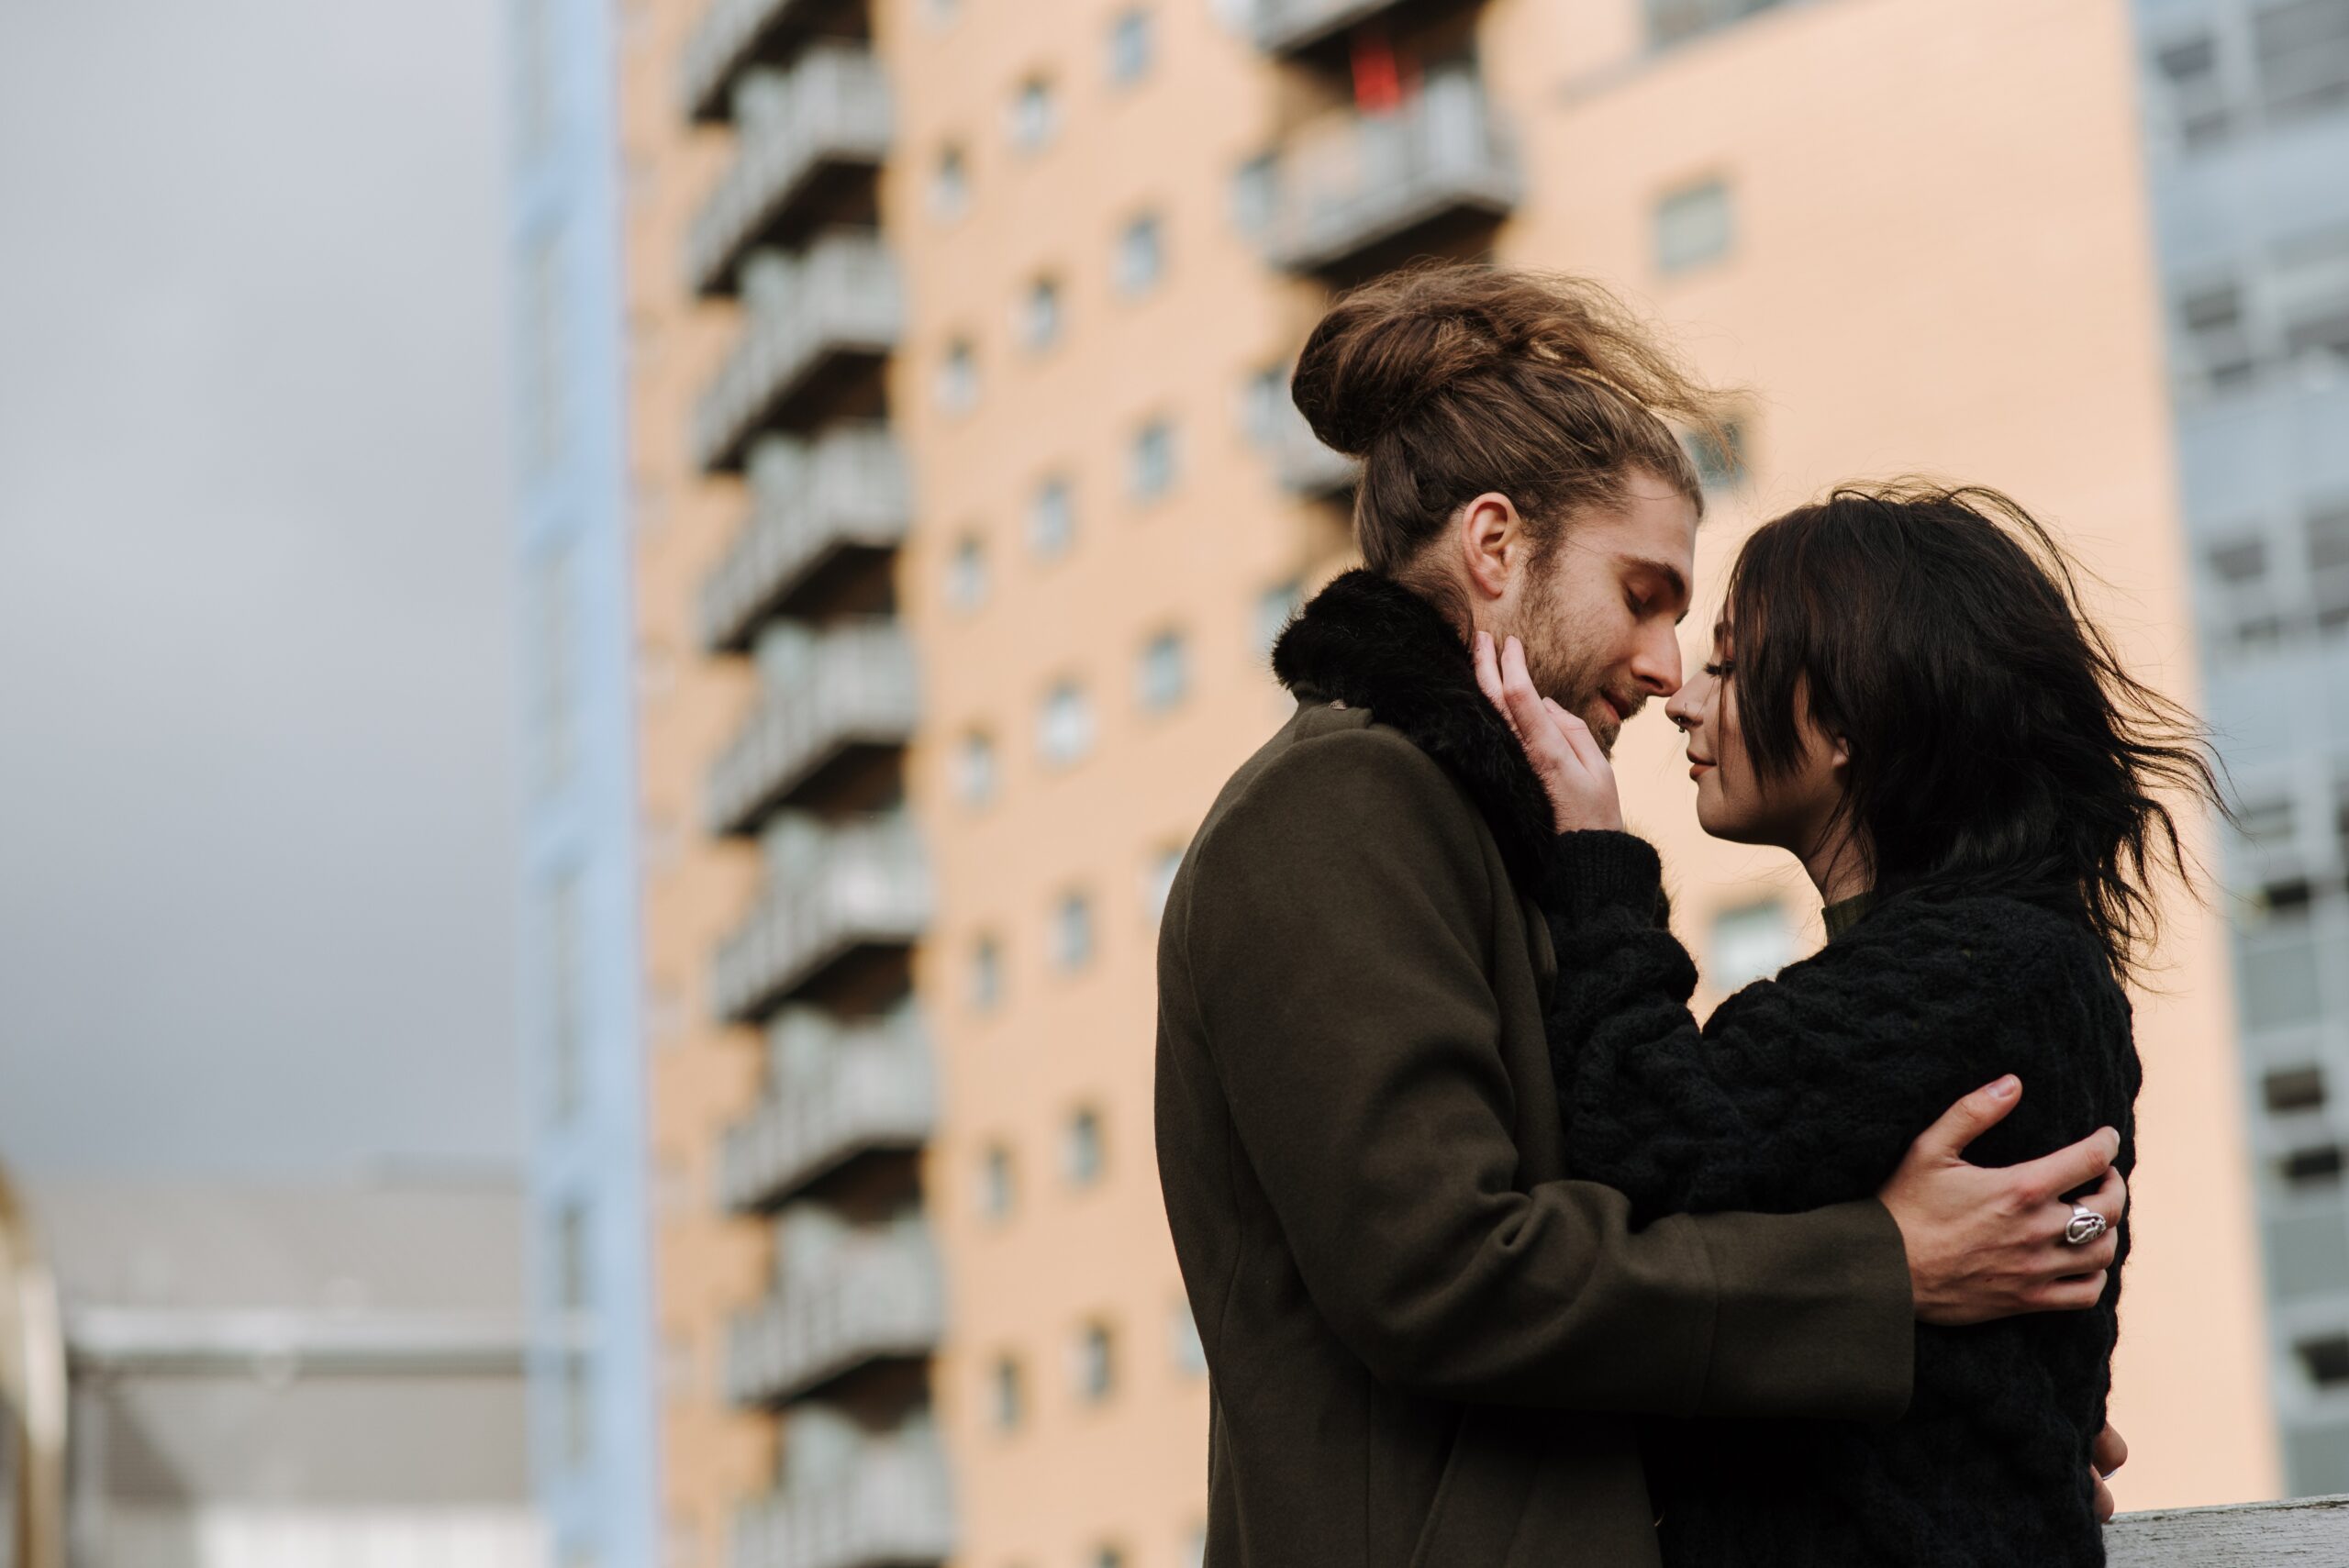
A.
pixel 1807 1090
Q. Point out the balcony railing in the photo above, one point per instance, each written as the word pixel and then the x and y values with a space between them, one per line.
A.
pixel 1305 465
pixel 888 1509
pixel 876 1298
pixel 829 112
pixel 1284 26
pixel 731 36
pixel 855 690
pixel 869 888
pixel 812 504
pixel 872 1091
pixel 1357 181
pixel 805 318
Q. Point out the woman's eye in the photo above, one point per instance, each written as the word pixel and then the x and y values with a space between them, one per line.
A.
pixel 1720 672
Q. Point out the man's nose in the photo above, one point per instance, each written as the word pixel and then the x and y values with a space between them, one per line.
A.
pixel 1657 665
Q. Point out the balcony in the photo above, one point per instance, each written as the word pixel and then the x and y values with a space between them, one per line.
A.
pixel 812 322
pixel 877 1297
pixel 1306 466
pixel 1354 185
pixel 888 1507
pixel 802 134
pixel 731 36
pixel 815 509
pixel 1286 27
pixel 865 887
pixel 871 1091
pixel 847 691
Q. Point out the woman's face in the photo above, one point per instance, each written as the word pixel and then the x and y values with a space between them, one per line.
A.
pixel 1793 812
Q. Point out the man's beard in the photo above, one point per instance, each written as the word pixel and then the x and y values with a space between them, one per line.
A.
pixel 1562 669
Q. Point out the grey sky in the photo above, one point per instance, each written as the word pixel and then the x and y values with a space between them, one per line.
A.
pixel 255 820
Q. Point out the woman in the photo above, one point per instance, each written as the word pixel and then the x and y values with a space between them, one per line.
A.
pixel 1906 694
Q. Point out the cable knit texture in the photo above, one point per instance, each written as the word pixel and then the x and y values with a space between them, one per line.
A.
pixel 1807 1090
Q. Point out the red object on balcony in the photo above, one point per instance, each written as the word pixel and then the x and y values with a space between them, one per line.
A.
pixel 1378 74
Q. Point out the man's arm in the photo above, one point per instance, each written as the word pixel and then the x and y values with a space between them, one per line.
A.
pixel 1338 927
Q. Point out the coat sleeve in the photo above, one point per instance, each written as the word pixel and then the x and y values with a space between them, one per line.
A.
pixel 1338 922
pixel 1798 1091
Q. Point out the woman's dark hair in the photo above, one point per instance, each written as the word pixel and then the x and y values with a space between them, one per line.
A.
pixel 1996 740
pixel 1452 379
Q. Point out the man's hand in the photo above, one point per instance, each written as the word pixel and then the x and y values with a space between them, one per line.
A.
pixel 1989 1243
pixel 2107 1454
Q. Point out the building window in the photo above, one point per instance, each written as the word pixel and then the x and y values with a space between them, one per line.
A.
pixel 2197 93
pixel 1692 228
pixel 967 574
pixel 1035 115
pixel 2267 822
pixel 1040 315
pixel 1263 398
pixel 1158 880
pixel 2326 1359
pixel 1250 200
pixel 1064 728
pixel 1108 1557
pixel 1142 255
pixel 2319 1166
pixel 976 778
pixel 555 669
pixel 1676 21
pixel 1190 1353
pixel 2291 1089
pixel 950 185
pixel 1073 932
pixel 1151 463
pixel 566 1011
pixel 1010 1405
pixel 1096 1371
pixel 1720 459
pixel 1081 1148
pixel 1749 943
pixel 2302 51
pixel 987 975
pixel 958 379
pixel 2240 563
pixel 1052 519
pixel 1130 46
pixel 998 1193
pixel 2218 337
pixel 1274 607
pixel 1163 677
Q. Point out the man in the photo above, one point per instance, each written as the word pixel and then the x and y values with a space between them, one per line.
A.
pixel 1423 1343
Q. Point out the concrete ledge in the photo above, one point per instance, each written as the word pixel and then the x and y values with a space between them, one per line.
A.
pixel 2306 1529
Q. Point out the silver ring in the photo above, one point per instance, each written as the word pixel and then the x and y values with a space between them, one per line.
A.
pixel 2086 1227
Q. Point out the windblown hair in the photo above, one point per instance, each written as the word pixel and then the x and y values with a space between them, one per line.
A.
pixel 1449 380
pixel 1997 742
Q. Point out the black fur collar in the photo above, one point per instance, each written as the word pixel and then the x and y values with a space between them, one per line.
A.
pixel 1369 642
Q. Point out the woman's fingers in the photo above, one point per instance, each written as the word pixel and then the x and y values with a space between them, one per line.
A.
pixel 1516 687
pixel 1489 678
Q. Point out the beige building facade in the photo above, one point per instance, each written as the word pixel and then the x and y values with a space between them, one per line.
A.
pixel 968 499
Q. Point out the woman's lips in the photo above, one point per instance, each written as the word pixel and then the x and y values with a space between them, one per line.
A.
pixel 1697 766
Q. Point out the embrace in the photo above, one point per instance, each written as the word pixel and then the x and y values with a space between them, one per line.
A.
pixel 1501 1257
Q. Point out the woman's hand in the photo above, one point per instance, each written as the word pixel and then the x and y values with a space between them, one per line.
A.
pixel 1565 754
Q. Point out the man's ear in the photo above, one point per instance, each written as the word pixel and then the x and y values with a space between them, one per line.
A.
pixel 1491 536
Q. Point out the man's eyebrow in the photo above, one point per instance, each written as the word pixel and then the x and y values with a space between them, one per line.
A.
pixel 1673 580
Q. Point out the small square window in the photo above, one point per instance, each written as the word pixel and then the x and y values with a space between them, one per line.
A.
pixel 1035 115
pixel 1096 1368
pixel 2314 1167
pixel 1275 607
pixel 2240 563
pixel 958 379
pixel 1141 254
pixel 1158 879
pixel 1253 186
pixel 1263 398
pixel 987 975
pixel 1009 1400
pixel 1693 227
pixel 1130 46
pixel 1151 462
pixel 2328 536
pixel 2293 1089
pixel 1073 932
pixel 1163 675
pixel 1081 1148
pixel 950 185
pixel 1749 943
pixel 997 1190
pixel 2326 1359
pixel 966 574
pixel 976 775
pixel 1052 519
pixel 1064 728
pixel 1190 1353
pixel 1040 315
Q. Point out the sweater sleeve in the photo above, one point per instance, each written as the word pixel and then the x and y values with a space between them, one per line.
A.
pixel 1798 1091
pixel 1335 949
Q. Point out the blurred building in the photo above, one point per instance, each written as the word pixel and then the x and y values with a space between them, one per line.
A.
pixel 588 1226
pixel 32 1396
pixel 271 1376
pixel 966 501
pixel 2247 104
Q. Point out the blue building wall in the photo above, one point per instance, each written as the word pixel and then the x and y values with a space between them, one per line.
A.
pixel 592 1399
pixel 2247 104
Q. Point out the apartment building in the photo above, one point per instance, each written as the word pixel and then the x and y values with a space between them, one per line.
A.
pixel 966 500
pixel 2247 129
